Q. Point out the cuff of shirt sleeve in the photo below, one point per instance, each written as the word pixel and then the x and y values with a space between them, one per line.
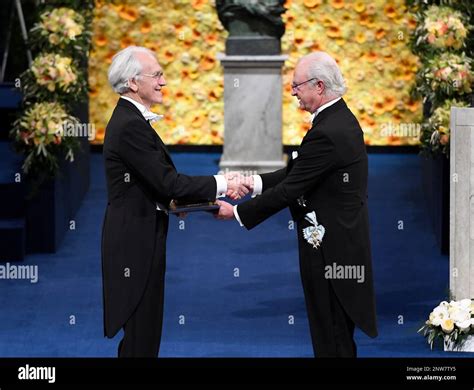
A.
pixel 221 184
pixel 236 215
pixel 257 185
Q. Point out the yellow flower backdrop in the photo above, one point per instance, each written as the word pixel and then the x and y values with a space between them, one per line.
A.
pixel 369 39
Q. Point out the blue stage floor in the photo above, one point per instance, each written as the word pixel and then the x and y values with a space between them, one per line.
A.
pixel 209 312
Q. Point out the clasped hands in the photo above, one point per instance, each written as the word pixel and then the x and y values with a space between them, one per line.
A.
pixel 238 186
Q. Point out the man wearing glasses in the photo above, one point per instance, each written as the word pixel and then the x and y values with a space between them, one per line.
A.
pixel 325 187
pixel 141 181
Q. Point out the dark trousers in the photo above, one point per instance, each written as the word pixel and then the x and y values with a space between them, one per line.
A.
pixel 332 331
pixel 142 331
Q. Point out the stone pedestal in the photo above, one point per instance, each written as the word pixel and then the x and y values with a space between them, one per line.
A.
pixel 466 346
pixel 461 254
pixel 252 113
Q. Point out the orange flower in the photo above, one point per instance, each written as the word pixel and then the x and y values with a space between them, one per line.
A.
pixel 407 74
pixel 197 120
pixel 207 62
pixel 93 92
pixel 196 34
pixel 390 102
pixel 211 39
pixel 338 4
pixel 289 18
pixel 213 96
pixel 145 27
pixel 165 92
pixel 305 126
pixel 108 57
pixel 101 40
pixel 100 132
pixel 379 107
pixel 333 31
pixel 390 11
pixel 168 119
pixel 125 42
pixel 370 121
pixel 311 3
pixel 364 19
pixel 396 117
pixel 380 33
pixel 371 56
pixel 412 105
pixel 168 56
pixel 152 46
pixel 198 4
pixel 412 23
pixel 128 13
pixel 179 95
pixel 393 140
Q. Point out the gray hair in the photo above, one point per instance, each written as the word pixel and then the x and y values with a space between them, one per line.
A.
pixel 323 67
pixel 125 66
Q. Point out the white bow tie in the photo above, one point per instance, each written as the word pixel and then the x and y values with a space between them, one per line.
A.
pixel 151 116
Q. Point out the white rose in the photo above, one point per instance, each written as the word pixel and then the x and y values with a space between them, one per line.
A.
pixel 460 315
pixel 438 315
pixel 464 326
pixel 465 303
pixel 447 325
pixel 441 311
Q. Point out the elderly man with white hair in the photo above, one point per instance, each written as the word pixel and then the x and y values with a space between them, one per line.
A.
pixel 141 182
pixel 325 187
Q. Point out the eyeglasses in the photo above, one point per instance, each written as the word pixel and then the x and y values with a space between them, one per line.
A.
pixel 155 76
pixel 295 86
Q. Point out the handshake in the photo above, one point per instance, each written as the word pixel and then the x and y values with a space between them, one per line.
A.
pixel 238 185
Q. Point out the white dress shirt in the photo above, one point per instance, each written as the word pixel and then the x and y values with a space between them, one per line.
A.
pixel 150 116
pixel 257 180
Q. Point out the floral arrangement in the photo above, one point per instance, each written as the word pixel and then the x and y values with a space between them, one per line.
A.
pixel 443 41
pixel 450 323
pixel 40 130
pixel 60 26
pixel 435 134
pixel 446 75
pixel 443 28
pixel 187 35
pixel 51 87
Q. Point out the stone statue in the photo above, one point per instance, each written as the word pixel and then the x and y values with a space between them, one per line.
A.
pixel 252 18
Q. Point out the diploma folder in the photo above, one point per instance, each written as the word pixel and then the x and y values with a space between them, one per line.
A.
pixel 176 208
